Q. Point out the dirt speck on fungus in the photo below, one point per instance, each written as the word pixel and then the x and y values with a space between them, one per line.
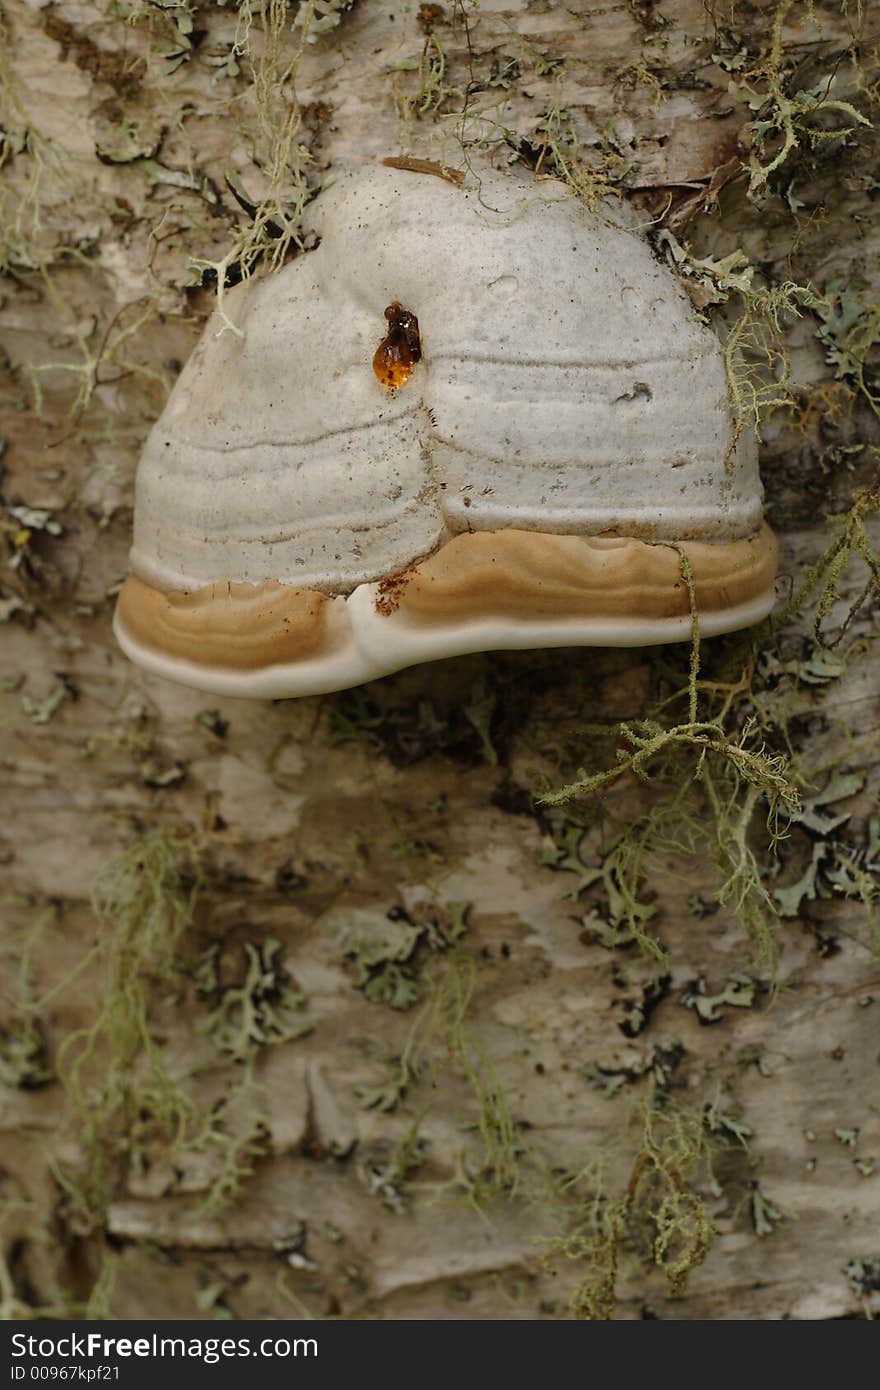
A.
pixel 391 591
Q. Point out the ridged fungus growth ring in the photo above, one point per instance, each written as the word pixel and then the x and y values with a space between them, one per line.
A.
pixel 528 470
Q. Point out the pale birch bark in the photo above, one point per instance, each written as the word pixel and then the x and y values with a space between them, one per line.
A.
pixel 309 821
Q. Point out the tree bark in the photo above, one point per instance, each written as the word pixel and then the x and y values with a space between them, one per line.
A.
pixel 315 1007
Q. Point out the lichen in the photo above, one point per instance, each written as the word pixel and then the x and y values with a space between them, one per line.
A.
pixel 660 1212
pixel 782 119
pixel 497 1173
pixel 389 960
pixel 114 1069
pixel 766 1214
pixel 260 1008
pixel 235 1135
pixel 24 1055
pixel 442 1037
pixel 730 757
pixel 275 226
pixel 714 752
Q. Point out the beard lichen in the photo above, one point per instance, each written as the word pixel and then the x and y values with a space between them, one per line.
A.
pixel 736 773
pixel 441 1039
pixel 114 1070
pixel 273 128
pixel 132 1109
pixel 660 1215
pixel 714 757
pixel 497 1170
pixel 786 119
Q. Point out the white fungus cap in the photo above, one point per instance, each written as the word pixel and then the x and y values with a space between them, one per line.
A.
pixel 568 411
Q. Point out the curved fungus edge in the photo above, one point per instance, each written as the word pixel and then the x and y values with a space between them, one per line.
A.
pixel 513 576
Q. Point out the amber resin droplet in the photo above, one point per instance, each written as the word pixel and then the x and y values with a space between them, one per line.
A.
pixel 400 349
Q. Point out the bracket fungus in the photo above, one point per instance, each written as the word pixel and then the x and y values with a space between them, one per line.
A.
pixel 471 418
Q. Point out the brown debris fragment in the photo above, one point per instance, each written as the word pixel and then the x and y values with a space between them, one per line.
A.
pixel 424 166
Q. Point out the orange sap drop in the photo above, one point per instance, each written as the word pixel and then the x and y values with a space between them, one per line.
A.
pixel 400 349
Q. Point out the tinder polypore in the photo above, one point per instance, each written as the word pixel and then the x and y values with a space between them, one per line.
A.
pixel 475 416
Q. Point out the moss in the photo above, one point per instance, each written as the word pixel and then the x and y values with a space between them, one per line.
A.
pixel 755 356
pixel 97 350
pixel 498 1174
pixel 386 1168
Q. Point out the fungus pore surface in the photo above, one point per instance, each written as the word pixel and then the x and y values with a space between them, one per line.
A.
pixel 473 417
